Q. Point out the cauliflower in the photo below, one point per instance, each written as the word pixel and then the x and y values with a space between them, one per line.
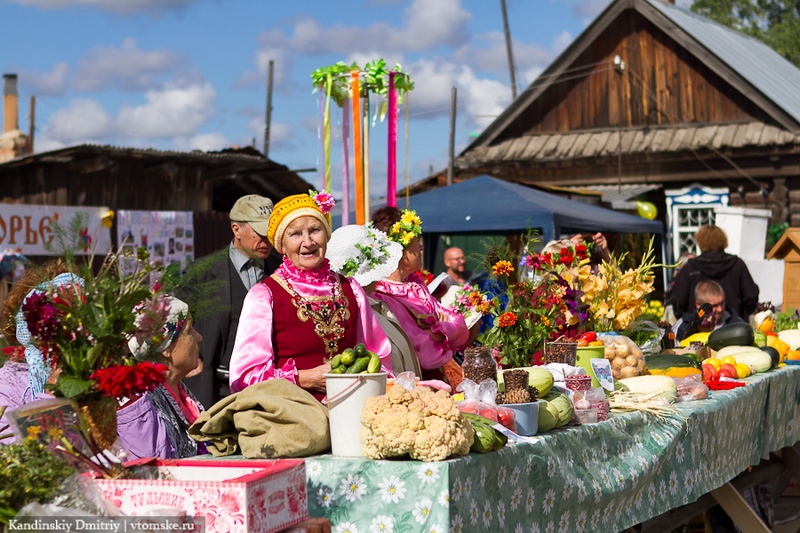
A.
pixel 425 425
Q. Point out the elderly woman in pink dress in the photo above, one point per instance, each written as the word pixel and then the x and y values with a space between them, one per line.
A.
pixel 301 316
pixel 436 332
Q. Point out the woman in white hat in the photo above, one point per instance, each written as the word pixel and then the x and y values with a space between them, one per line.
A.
pixel 156 423
pixel 367 255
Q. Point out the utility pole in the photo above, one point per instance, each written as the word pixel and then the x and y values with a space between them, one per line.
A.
pixel 32 123
pixel 269 108
pixel 451 152
pixel 509 50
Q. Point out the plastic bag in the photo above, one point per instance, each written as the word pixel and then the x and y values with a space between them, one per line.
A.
pixel 480 400
pixel 625 356
pixel 647 336
pixel 691 388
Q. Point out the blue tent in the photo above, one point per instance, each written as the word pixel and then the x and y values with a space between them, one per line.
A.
pixel 489 205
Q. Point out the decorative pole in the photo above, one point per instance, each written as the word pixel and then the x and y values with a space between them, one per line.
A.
pixel 391 170
pixel 359 171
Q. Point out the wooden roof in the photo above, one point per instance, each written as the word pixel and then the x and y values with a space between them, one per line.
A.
pixel 787 246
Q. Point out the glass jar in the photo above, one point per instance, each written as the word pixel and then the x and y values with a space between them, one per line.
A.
pixel 479 364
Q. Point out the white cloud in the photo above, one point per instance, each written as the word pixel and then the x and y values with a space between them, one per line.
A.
pixel 126 67
pixel 51 83
pixel 479 99
pixel 177 109
pixel 114 6
pixel 83 121
pixel 208 142
pixel 426 25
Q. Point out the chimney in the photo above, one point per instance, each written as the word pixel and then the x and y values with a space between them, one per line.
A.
pixel 10 103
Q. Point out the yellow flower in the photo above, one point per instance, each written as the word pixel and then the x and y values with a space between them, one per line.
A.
pixel 502 267
pixel 396 228
pixel 55 433
pixel 409 217
pixel 33 431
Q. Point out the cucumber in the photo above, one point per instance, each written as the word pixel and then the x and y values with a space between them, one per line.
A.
pixel 359 366
pixel 338 370
pixel 348 357
pixel 336 361
pixel 360 350
pixel 374 364
pixel 731 335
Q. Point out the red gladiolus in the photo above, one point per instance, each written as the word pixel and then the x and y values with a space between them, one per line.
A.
pixel 122 381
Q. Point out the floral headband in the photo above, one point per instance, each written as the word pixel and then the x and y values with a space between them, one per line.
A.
pixel 408 227
pixel 364 253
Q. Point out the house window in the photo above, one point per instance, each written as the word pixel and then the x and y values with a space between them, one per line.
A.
pixel 689 220
pixel 687 210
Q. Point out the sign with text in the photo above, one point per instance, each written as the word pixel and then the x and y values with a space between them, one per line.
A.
pixel 28 228
pixel 167 235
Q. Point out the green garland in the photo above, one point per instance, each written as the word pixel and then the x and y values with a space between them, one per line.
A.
pixel 335 80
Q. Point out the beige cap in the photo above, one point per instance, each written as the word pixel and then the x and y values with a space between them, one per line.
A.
pixel 255 210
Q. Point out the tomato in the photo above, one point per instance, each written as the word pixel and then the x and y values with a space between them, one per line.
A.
pixel 710 373
pixel 727 373
pixel 490 413
pixel 506 417
pixel 468 408
pixel 589 336
pixel 582 343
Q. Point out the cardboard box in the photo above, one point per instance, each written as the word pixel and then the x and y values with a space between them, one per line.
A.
pixel 233 496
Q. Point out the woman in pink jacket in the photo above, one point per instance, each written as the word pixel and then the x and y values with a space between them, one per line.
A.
pixel 435 331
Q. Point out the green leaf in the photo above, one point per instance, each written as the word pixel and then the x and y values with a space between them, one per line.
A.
pixel 71 387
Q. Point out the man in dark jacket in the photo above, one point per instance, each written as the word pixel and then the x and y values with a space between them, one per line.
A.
pixel 232 271
pixel 741 292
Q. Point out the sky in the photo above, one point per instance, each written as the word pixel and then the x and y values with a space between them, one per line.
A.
pixel 192 74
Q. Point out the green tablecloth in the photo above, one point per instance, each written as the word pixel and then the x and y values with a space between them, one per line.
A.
pixel 598 477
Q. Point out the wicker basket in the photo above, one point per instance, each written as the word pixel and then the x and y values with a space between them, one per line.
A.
pixel 561 352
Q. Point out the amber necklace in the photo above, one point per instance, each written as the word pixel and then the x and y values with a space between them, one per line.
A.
pixel 328 314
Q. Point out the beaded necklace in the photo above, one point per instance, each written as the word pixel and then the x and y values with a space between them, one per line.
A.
pixel 328 314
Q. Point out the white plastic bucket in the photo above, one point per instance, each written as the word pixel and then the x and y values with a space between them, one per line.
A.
pixel 346 394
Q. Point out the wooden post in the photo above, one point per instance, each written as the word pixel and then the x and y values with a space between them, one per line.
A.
pixel 269 108
pixel 452 149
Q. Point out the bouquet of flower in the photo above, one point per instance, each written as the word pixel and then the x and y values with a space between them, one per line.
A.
pixel 470 299
pixel 616 298
pixel 82 328
pixel 83 332
pixel 540 307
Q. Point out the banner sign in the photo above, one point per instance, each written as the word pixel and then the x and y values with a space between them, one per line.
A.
pixel 28 228
pixel 168 236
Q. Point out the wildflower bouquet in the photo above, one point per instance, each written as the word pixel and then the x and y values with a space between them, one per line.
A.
pixel 616 298
pixel 82 327
pixel 540 307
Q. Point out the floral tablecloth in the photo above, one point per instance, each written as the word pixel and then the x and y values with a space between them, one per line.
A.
pixel 598 477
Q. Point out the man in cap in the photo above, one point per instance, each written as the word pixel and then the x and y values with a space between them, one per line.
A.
pixel 244 262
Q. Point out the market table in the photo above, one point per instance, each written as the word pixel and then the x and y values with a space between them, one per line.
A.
pixel 596 477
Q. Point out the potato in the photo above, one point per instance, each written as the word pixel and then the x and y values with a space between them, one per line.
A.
pixel 629 372
pixel 632 360
pixel 622 349
pixel 618 364
pixel 609 352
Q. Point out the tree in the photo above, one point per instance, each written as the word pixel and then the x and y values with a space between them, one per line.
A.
pixel 775 22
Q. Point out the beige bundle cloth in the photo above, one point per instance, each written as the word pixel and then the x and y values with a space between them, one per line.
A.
pixel 270 419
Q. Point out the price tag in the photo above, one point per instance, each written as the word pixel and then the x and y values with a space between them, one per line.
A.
pixel 513 437
pixel 602 371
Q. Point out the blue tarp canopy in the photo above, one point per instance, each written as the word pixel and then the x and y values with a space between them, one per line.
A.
pixel 489 205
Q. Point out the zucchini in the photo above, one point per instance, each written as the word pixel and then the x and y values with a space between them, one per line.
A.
pixel 756 359
pixel 775 354
pixel 731 335
pixel 652 386
pixel 672 365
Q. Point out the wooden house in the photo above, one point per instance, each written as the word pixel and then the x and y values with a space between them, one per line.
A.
pixel 206 183
pixel 652 98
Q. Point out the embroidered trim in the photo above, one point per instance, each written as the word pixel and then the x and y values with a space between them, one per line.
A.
pixel 328 314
